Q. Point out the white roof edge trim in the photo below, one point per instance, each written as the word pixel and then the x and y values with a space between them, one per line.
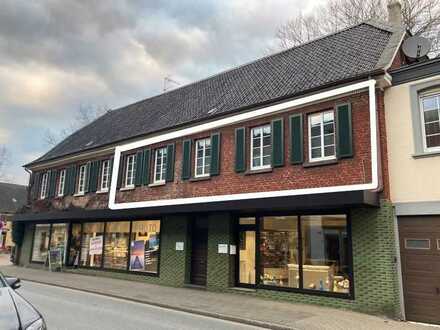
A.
pixel 269 110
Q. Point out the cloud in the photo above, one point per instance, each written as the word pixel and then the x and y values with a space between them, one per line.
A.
pixel 57 55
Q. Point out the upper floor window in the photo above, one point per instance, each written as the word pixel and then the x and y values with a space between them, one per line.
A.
pixel 261 147
pixel 322 136
pixel 430 107
pixel 61 183
pixel 105 172
pixel 160 165
pixel 130 171
pixel 44 183
pixel 82 179
pixel 203 157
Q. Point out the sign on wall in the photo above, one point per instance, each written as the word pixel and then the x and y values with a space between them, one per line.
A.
pixel 96 245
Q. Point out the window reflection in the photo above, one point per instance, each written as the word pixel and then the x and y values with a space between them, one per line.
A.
pixel 325 253
pixel 91 244
pixel 41 243
pixel 116 244
pixel 58 238
pixel 75 245
pixel 278 251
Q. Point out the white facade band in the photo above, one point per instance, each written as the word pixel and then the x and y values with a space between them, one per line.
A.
pixel 269 110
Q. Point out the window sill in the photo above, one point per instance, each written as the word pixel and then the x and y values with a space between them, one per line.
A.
pixel 200 178
pixel 426 154
pixel 127 188
pixel 157 184
pixel 320 163
pixel 262 170
pixel 102 191
pixel 79 195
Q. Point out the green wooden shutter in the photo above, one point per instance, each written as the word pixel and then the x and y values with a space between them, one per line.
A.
pixel 186 160
pixel 240 150
pixel 139 167
pixel 51 179
pixel 35 184
pixel 146 167
pixel 94 175
pixel 88 176
pixel 170 163
pixel 121 171
pixel 296 139
pixel 110 170
pixel 75 169
pixel 344 135
pixel 277 130
pixel 55 174
pixel 215 154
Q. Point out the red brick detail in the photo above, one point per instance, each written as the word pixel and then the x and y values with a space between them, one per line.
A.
pixel 356 170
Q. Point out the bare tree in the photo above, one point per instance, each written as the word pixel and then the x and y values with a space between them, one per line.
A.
pixel 421 17
pixel 4 160
pixel 84 115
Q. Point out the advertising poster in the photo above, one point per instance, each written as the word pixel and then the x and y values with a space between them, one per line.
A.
pixel 137 259
pixel 96 245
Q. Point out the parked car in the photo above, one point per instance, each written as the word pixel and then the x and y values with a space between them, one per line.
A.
pixel 16 312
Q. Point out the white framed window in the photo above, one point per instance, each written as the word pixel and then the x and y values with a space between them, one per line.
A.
pixel 203 157
pixel 105 172
pixel 322 136
pixel 82 180
pixel 430 112
pixel 130 171
pixel 44 183
pixel 261 147
pixel 160 165
pixel 61 183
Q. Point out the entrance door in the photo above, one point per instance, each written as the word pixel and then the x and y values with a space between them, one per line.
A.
pixel 246 266
pixel 199 252
pixel 420 254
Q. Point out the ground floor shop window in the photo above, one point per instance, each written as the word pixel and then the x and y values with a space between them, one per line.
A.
pixel 58 238
pixel 144 246
pixel 41 243
pixel 91 244
pixel 325 253
pixel 279 251
pixel 305 253
pixel 116 244
pixel 75 244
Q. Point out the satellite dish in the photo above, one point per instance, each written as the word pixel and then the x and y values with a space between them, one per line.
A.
pixel 416 47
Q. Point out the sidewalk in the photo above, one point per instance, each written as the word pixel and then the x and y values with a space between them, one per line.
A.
pixel 234 307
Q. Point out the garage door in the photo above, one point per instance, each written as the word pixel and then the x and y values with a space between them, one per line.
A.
pixel 420 254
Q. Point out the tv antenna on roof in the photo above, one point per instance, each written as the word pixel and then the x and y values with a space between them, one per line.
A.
pixel 167 81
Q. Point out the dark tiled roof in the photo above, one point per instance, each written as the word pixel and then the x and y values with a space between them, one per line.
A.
pixel 12 197
pixel 347 54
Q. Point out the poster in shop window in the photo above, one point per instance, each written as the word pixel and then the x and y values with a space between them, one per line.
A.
pixel 96 245
pixel 137 259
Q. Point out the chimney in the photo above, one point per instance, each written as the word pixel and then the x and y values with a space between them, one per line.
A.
pixel 395 13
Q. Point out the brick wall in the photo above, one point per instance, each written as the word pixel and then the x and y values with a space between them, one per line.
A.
pixel 347 171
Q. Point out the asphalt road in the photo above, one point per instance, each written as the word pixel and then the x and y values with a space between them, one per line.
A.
pixel 71 309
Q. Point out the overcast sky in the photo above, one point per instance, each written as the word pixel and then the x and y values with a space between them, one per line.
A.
pixel 58 55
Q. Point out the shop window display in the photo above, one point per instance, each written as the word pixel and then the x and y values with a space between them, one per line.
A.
pixel 116 244
pixel 144 246
pixel 279 251
pixel 92 244
pixel 325 253
pixel 41 242
pixel 75 245
pixel 58 238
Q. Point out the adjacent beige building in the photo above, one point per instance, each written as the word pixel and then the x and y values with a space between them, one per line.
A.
pixel 412 107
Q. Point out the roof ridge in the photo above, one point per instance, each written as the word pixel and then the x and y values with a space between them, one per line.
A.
pixel 13 184
pixel 375 24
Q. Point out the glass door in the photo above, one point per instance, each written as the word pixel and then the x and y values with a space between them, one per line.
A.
pixel 246 252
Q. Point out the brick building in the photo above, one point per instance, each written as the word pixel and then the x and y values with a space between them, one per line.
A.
pixel 270 179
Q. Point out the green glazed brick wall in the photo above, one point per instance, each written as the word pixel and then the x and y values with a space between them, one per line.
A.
pixel 374 266
pixel 220 271
pixel 26 247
